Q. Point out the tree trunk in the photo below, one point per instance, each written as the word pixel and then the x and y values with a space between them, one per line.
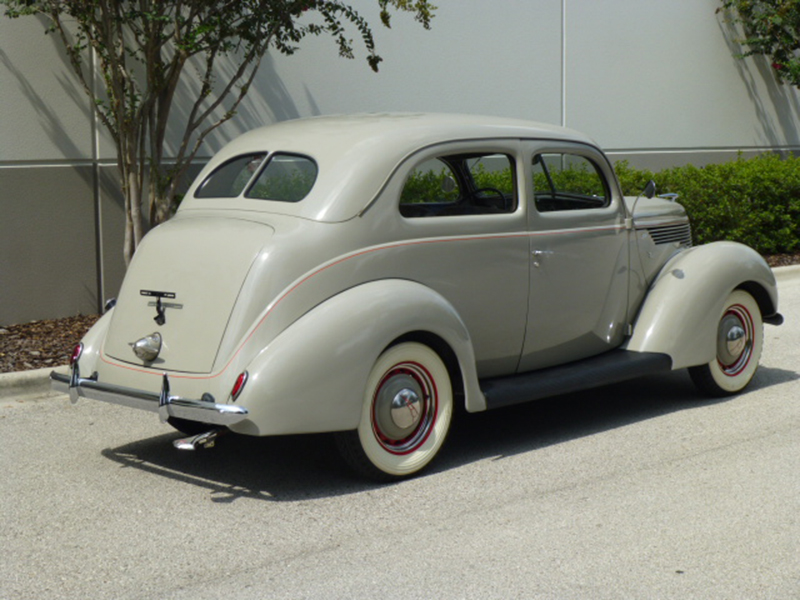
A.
pixel 130 176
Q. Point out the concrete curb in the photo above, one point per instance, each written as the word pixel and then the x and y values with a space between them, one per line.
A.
pixel 783 273
pixel 27 383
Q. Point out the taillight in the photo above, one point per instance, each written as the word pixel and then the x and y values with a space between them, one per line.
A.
pixel 238 386
pixel 76 354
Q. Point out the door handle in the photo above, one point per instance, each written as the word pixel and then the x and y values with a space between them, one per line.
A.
pixel 537 256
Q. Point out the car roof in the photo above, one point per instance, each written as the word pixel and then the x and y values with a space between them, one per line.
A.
pixel 356 154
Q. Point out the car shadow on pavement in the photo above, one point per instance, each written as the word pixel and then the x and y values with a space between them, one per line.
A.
pixel 526 427
pixel 280 468
pixel 303 467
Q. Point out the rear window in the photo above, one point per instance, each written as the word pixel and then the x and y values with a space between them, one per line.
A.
pixel 279 177
pixel 229 180
pixel 286 178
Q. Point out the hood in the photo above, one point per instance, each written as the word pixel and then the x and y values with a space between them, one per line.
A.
pixel 653 210
pixel 194 267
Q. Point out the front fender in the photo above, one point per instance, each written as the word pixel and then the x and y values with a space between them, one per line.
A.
pixel 312 377
pixel 681 313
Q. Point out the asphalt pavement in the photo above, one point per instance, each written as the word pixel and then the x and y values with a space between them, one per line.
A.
pixel 637 490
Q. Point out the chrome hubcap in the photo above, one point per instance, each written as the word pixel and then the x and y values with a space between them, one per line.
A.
pixel 403 408
pixel 406 409
pixel 734 340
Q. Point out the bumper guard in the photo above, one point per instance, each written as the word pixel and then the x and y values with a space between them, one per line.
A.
pixel 166 405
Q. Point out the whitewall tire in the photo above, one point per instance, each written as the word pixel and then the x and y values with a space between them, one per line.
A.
pixel 407 410
pixel 740 339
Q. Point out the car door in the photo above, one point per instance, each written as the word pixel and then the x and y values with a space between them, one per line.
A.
pixel 466 235
pixel 579 256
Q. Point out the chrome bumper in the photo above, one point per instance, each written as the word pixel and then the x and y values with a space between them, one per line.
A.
pixel 166 405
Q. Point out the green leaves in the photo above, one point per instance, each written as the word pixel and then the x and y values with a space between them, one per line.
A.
pixel 772 29
pixel 754 201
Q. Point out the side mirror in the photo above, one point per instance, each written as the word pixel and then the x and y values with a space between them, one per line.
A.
pixel 649 192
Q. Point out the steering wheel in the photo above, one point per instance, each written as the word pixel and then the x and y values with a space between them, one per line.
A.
pixel 494 191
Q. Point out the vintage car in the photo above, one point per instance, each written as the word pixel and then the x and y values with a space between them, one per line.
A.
pixel 363 275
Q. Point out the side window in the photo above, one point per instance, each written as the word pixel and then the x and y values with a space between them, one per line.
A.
pixel 563 181
pixel 430 184
pixel 460 184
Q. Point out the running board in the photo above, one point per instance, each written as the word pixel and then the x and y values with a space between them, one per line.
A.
pixel 611 367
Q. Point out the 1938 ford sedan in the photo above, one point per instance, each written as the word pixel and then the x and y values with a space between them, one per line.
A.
pixel 361 275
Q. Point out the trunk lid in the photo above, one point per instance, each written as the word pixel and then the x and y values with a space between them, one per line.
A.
pixel 195 267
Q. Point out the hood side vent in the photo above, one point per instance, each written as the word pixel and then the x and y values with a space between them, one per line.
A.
pixel 668 234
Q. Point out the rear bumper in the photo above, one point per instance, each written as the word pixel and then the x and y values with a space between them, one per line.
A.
pixel 166 405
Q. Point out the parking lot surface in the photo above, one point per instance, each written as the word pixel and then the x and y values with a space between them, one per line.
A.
pixel 638 490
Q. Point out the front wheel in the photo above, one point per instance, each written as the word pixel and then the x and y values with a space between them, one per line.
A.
pixel 408 406
pixel 740 338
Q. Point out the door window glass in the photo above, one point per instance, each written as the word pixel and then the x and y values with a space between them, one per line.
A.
pixel 462 184
pixel 563 181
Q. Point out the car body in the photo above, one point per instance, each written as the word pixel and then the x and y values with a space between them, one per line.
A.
pixel 363 274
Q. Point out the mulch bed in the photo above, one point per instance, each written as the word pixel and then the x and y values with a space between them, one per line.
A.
pixel 783 260
pixel 42 344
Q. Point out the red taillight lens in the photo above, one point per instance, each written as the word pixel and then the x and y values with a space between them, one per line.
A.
pixel 238 386
pixel 76 354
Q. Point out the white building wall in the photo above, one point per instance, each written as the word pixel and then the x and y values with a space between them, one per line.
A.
pixel 652 81
pixel 639 76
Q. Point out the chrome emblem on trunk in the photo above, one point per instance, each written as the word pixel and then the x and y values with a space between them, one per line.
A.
pixel 148 347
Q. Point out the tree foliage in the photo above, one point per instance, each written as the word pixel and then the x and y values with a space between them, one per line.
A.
pixel 772 29
pixel 141 49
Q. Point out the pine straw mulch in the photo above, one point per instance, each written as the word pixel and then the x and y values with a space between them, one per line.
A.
pixel 42 344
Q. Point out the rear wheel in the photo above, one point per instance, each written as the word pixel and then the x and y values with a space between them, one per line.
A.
pixel 740 339
pixel 406 414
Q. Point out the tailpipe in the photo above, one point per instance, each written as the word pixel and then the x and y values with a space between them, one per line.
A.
pixel 201 440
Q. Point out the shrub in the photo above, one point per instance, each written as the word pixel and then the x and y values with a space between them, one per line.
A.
pixel 753 201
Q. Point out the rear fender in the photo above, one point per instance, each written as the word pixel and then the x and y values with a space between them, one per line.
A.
pixel 93 344
pixel 681 312
pixel 312 377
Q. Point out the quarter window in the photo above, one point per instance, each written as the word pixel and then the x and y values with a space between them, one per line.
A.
pixel 563 181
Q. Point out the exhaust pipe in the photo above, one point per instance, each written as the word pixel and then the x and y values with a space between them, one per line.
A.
pixel 202 440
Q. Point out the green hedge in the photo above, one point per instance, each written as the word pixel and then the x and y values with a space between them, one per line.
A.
pixel 753 201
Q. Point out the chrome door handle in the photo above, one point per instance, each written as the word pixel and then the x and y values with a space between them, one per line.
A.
pixel 537 255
